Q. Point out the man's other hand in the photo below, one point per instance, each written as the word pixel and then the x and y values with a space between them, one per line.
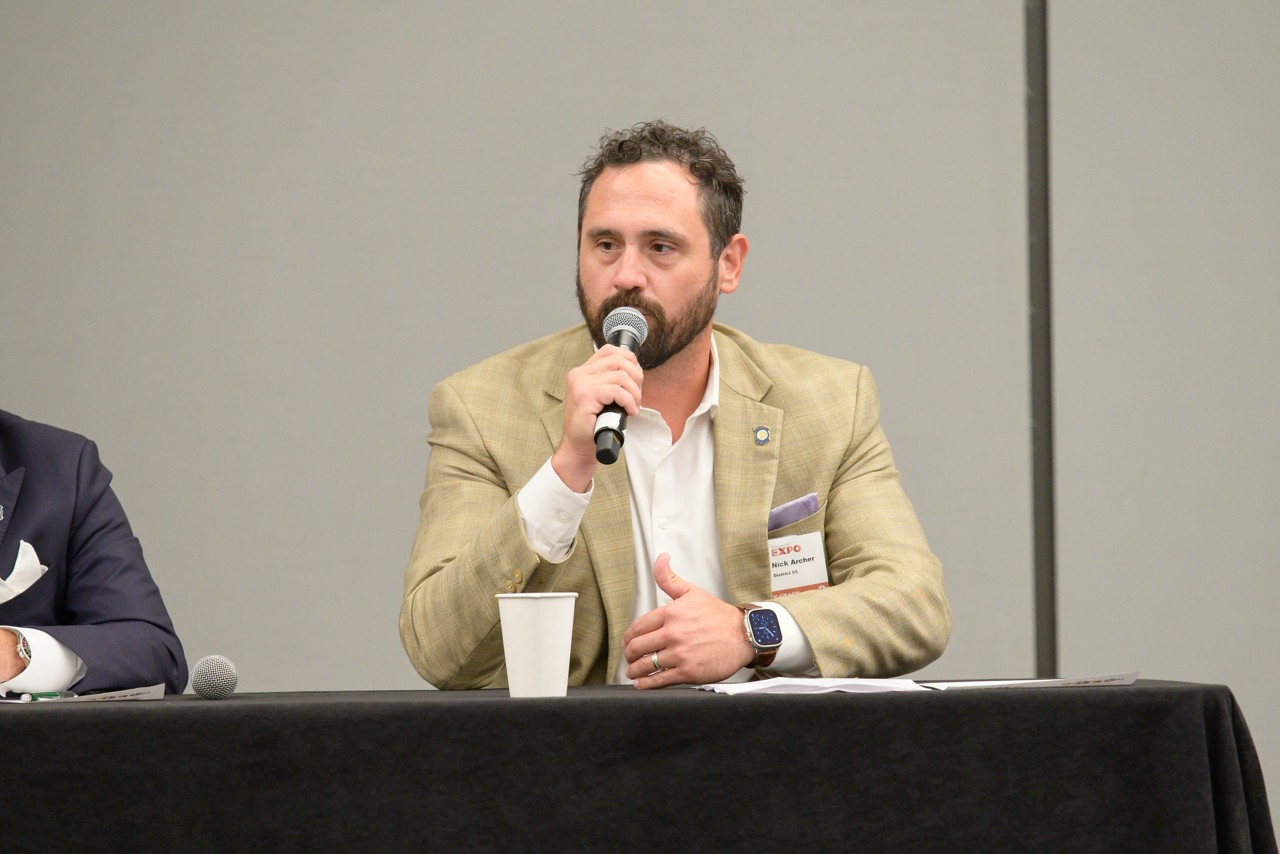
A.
pixel 698 637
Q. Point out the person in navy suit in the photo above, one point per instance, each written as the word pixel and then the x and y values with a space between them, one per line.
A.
pixel 79 610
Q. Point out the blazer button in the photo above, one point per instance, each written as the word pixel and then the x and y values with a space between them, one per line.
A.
pixel 519 577
pixel 511 588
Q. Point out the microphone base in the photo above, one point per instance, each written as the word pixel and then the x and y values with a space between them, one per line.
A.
pixel 608 446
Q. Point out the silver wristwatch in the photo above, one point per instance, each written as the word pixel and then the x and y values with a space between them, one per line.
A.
pixel 24 648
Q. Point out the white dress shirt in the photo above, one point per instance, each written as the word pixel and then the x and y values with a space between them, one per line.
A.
pixel 53 666
pixel 673 510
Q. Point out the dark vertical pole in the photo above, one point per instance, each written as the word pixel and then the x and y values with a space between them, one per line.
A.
pixel 1043 516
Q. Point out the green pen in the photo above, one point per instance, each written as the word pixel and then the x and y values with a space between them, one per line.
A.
pixel 47 695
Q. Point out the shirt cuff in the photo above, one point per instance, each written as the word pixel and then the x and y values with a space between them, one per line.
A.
pixel 53 666
pixel 551 513
pixel 795 656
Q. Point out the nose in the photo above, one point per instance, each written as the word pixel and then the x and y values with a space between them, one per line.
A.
pixel 629 273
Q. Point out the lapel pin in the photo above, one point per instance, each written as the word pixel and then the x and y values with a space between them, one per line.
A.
pixel 762 435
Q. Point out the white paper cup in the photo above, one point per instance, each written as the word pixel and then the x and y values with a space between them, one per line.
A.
pixel 537 631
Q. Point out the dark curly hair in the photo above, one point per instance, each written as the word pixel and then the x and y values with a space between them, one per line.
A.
pixel 719 185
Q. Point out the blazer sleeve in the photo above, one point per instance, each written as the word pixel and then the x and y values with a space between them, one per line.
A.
pixel 470 545
pixel 113 616
pixel 886 612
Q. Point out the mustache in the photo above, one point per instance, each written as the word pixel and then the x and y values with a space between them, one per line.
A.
pixel 631 299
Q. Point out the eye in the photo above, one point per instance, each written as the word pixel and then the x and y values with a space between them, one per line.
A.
pixel 663 248
pixel 606 245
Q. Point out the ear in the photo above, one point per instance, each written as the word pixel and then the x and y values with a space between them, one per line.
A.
pixel 731 260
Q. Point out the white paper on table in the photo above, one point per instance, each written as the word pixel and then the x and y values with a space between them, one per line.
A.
pixel 151 692
pixel 1112 679
pixel 807 685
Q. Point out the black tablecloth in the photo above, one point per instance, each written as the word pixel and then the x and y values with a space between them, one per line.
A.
pixel 1156 766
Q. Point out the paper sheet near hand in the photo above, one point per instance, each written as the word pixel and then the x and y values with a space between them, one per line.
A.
pixel 27 570
pixel 1078 682
pixel 805 685
pixel 150 692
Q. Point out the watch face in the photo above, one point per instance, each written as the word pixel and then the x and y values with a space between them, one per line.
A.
pixel 765 628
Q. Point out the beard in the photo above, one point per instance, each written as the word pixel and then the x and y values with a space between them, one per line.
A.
pixel 667 336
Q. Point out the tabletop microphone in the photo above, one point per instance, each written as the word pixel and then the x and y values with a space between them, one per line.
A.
pixel 626 328
pixel 214 677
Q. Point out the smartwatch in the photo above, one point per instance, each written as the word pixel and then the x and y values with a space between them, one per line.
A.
pixel 763 633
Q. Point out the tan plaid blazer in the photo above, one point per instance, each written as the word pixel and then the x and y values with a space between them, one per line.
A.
pixel 494 424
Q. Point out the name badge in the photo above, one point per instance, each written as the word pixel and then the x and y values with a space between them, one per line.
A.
pixel 798 563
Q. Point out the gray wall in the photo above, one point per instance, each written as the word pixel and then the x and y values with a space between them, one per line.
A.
pixel 1166 229
pixel 242 241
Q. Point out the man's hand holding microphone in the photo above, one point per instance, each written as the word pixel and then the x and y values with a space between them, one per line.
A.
pixel 599 395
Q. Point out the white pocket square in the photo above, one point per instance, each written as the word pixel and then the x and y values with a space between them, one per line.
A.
pixel 27 570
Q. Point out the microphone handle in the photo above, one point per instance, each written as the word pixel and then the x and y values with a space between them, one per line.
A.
pixel 612 420
pixel 610 423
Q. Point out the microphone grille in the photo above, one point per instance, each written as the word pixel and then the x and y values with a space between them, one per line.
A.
pixel 214 677
pixel 625 316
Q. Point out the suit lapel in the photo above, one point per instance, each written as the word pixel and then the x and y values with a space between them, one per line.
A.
pixel 606 527
pixel 746 471
pixel 10 486
pixel 606 533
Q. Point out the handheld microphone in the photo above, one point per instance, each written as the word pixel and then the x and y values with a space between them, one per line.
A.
pixel 626 328
pixel 214 677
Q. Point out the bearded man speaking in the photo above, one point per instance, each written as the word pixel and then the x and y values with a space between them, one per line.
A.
pixel 755 523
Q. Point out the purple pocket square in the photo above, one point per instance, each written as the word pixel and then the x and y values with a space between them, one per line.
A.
pixel 793 511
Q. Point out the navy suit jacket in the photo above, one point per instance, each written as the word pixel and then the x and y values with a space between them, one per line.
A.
pixel 98 597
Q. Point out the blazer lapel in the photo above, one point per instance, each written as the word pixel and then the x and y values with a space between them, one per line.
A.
pixel 606 527
pixel 746 461
pixel 10 486
pixel 606 533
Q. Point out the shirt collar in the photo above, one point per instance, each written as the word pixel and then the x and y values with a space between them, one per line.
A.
pixel 711 397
